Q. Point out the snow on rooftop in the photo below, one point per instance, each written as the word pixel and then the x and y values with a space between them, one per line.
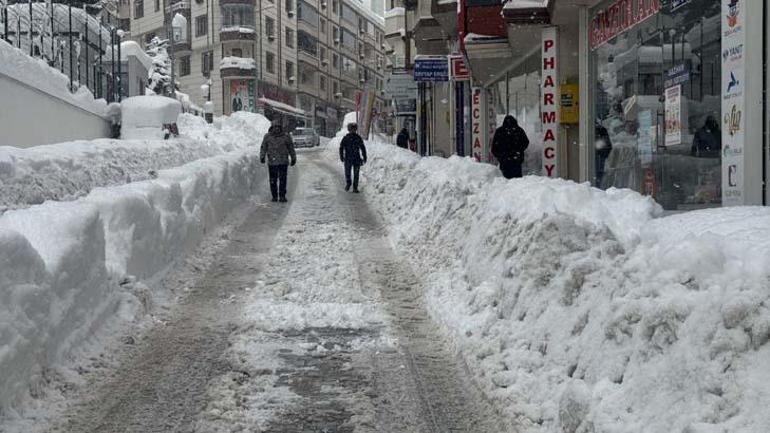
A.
pixel 130 49
pixel 526 4
pixel 395 12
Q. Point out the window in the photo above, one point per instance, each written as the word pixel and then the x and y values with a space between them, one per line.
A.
pixel 336 7
pixel 322 25
pixel 336 34
pixel 236 52
pixel 349 40
pixel 201 25
pixel 269 27
pixel 207 62
pixel 138 9
pixel 289 37
pixel 335 88
pixel 307 43
pixel 306 76
pixel 349 66
pixel 289 6
pixel 335 61
pixel 289 70
pixel 307 14
pixel 237 15
pixel 157 5
pixel 322 53
pixel 184 66
pixel 322 83
pixel 270 62
pixel 348 14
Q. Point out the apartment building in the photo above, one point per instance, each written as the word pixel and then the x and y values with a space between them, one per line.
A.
pixel 304 61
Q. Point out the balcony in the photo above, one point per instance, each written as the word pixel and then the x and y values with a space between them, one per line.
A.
pixel 237 67
pixel 237 33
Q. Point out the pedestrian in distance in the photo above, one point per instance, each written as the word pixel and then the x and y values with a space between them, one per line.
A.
pixel 402 140
pixel 508 146
pixel 278 149
pixel 353 155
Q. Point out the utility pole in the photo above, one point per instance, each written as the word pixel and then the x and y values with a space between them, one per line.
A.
pixel 120 64
pixel 70 39
pixel 88 58
pixel 29 30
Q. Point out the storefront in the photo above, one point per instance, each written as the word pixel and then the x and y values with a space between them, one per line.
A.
pixel 656 87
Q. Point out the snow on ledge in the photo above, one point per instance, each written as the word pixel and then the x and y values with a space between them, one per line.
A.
pixel 238 62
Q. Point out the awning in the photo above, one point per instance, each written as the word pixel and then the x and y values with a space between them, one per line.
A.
pixel 283 108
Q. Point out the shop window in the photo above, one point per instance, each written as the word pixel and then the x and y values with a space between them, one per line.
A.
pixel 657 106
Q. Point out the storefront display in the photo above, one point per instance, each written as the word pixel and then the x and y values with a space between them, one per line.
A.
pixel 657 84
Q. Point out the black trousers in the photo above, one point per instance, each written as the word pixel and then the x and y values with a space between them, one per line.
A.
pixel 510 169
pixel 355 167
pixel 278 180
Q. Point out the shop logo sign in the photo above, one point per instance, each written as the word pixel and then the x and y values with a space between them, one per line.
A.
pixel 732 53
pixel 619 17
pixel 732 151
pixel 732 175
pixel 733 120
pixel 733 83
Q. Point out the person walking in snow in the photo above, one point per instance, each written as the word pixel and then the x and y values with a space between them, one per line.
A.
pixel 353 155
pixel 278 148
pixel 402 140
pixel 508 146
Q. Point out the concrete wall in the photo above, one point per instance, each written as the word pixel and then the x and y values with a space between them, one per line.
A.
pixel 30 117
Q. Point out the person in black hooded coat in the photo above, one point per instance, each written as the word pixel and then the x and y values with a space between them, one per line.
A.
pixel 508 146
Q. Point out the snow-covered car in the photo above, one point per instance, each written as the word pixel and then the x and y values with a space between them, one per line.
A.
pixel 305 137
pixel 149 117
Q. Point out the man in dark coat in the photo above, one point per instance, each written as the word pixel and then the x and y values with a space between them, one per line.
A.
pixel 353 155
pixel 278 147
pixel 508 146
pixel 402 140
pixel 708 140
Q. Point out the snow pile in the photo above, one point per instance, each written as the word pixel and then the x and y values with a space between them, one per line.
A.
pixel 18 65
pixel 63 265
pixel 143 117
pixel 584 311
pixel 66 171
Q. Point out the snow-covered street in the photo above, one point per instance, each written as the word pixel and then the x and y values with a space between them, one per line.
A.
pixel 297 317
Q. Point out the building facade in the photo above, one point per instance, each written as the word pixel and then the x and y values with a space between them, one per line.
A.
pixel 664 97
pixel 303 61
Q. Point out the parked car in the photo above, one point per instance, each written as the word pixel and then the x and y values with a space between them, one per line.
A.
pixel 305 137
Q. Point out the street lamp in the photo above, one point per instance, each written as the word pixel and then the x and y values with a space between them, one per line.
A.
pixel 178 34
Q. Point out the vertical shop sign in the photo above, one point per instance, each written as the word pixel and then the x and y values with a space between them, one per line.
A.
pixel 674 115
pixel 733 101
pixel 491 124
pixel 460 119
pixel 550 102
pixel 478 124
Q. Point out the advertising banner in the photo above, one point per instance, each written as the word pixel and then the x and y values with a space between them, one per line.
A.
pixel 478 124
pixel 674 116
pixel 733 102
pixel 242 96
pixel 551 101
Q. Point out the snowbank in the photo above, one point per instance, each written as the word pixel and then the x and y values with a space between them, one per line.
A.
pixel 62 263
pixel 579 310
pixel 66 171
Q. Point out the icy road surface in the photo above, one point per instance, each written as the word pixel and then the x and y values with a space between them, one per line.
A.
pixel 305 321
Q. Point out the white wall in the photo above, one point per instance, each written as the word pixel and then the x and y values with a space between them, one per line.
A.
pixel 30 117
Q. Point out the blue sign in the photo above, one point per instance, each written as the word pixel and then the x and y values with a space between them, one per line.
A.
pixel 431 69
pixel 677 75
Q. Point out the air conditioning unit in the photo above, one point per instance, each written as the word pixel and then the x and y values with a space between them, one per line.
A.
pixel 271 37
pixel 291 79
pixel 336 41
pixel 362 81
pixel 360 31
pixel 338 95
pixel 323 5
pixel 361 55
pixel 290 13
pixel 324 62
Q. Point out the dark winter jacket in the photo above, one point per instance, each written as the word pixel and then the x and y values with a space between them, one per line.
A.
pixel 509 142
pixel 278 147
pixel 708 140
pixel 403 139
pixel 352 149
